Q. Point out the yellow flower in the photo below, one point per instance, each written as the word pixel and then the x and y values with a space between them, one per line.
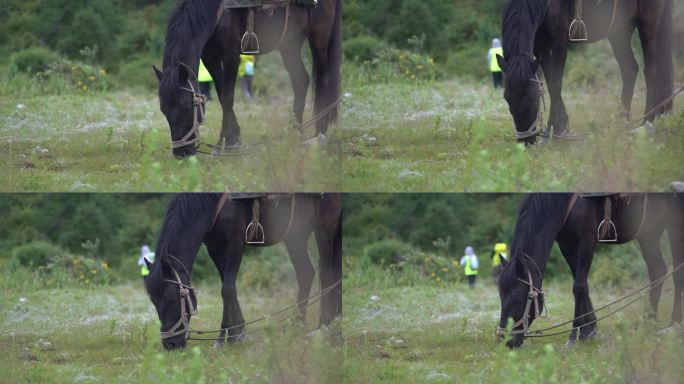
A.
pixel 445 269
pixel 103 72
pixel 439 279
pixel 431 60
pixel 93 271
pixel 85 88
pixel 92 78
pixel 433 274
pixel 420 67
pixel 105 265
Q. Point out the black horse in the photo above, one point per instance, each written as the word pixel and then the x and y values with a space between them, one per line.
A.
pixel 221 223
pixel 202 28
pixel 573 223
pixel 536 33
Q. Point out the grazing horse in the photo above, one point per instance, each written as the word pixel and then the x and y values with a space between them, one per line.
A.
pixel 204 29
pixel 573 222
pixel 536 33
pixel 221 224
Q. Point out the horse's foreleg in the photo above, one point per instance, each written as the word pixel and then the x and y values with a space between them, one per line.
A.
pixel 299 256
pixel 232 322
pixel 655 264
pixel 629 68
pixel 569 252
pixel 554 67
pixel 580 288
pixel 291 54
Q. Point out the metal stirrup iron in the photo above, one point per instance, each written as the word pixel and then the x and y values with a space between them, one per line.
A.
pixel 249 45
pixel 254 234
pixel 578 29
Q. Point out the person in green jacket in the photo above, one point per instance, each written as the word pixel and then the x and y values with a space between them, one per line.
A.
pixel 205 80
pixel 470 265
pixel 493 63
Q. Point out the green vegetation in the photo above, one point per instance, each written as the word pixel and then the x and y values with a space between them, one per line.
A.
pixel 74 308
pixel 413 318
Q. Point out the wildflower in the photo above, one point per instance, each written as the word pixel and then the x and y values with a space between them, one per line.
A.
pixel 91 78
pixel 439 279
pixel 93 271
pixel 445 269
pixel 103 72
pixel 420 67
pixel 105 265
pixel 433 274
pixel 431 60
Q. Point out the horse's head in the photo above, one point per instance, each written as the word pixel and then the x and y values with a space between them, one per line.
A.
pixel 183 106
pixel 174 300
pixel 521 300
pixel 523 91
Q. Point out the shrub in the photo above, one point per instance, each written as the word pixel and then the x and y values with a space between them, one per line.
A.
pixel 363 48
pixel 82 77
pixel 138 73
pixel 83 269
pixel 387 252
pixel 34 254
pixel 33 60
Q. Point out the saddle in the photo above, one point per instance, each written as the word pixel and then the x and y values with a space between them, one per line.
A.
pixel 578 31
pixel 254 233
pixel 607 232
pixel 249 45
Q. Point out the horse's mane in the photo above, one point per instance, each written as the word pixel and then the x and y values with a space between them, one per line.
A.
pixel 182 210
pixel 188 19
pixel 536 211
pixel 521 19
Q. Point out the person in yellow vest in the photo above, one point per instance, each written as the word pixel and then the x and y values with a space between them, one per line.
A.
pixel 493 63
pixel 470 265
pixel 145 253
pixel 499 252
pixel 246 73
pixel 204 78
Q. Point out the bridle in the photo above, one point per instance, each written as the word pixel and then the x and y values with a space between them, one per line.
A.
pixel 537 128
pixel 199 107
pixel 186 292
pixel 534 294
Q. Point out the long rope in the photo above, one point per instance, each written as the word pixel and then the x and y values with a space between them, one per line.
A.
pixel 309 301
pixel 649 286
pixel 640 121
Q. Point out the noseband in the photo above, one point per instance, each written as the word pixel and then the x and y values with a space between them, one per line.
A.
pixel 533 296
pixel 182 326
pixel 537 127
pixel 199 106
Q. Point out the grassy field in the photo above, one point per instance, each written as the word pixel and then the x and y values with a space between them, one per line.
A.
pixel 423 331
pixel 458 136
pixel 110 334
pixel 119 141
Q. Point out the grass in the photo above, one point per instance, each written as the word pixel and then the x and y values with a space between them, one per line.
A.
pixel 458 136
pixel 118 141
pixel 110 334
pixel 422 331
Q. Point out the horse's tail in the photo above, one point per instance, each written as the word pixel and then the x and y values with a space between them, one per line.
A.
pixel 665 85
pixel 337 265
pixel 330 75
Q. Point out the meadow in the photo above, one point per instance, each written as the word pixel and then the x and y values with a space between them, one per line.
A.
pixel 61 330
pixel 58 138
pixel 403 327
pixel 458 135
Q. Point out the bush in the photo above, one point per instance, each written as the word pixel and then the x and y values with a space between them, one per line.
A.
pixel 76 75
pixel 33 60
pixel 363 48
pixel 82 269
pixel 387 252
pixel 34 254
pixel 138 73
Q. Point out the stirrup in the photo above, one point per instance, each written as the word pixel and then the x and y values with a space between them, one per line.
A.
pixel 580 30
pixel 259 231
pixel 249 45
pixel 611 226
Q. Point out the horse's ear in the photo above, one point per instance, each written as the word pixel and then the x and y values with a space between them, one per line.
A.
pixel 501 61
pixel 157 72
pixel 149 265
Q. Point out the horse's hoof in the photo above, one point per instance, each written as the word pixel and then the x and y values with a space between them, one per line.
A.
pixel 237 338
pixel 591 336
pixel 229 149
pixel 218 344
pixel 319 138
pixel 648 128
pixel 571 342
pixel 322 330
pixel 569 136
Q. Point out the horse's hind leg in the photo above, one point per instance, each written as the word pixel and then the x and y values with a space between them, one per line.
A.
pixel 675 232
pixel 650 249
pixel 648 33
pixel 299 256
pixel 629 68
pixel 292 58
pixel 665 65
